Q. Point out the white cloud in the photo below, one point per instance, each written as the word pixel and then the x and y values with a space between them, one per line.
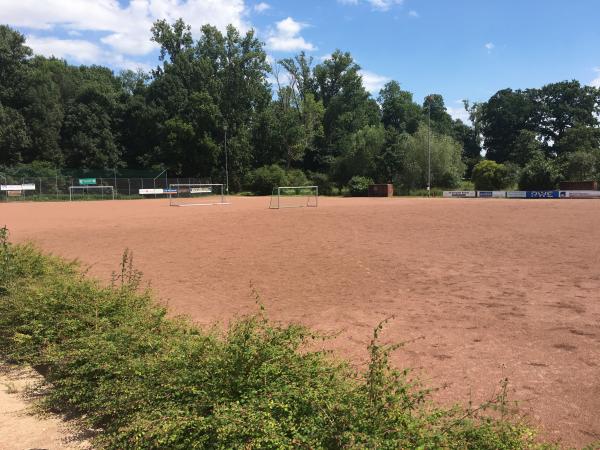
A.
pixel 372 81
pixel 380 5
pixel 80 50
pixel 123 43
pixel 384 5
pixel 596 81
pixel 127 27
pixel 261 7
pixel 413 13
pixel 459 112
pixel 490 46
pixel 286 37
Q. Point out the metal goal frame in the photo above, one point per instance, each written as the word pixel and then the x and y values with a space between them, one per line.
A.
pixel 276 197
pixel 87 188
pixel 174 193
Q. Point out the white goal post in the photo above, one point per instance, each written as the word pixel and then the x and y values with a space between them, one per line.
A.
pixel 194 194
pixel 85 190
pixel 294 197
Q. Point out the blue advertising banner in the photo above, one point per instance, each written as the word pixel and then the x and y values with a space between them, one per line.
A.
pixel 543 194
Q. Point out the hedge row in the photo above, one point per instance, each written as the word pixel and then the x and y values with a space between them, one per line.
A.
pixel 112 357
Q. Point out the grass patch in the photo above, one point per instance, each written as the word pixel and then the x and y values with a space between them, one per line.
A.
pixel 112 357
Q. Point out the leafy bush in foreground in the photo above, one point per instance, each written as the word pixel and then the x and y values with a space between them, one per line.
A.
pixel 113 358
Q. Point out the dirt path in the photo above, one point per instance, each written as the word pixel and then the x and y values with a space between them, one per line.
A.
pixel 20 428
pixel 496 288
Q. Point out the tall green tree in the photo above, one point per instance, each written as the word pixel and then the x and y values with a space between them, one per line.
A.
pixel 578 138
pixel 13 65
pixel 501 119
pixel 300 115
pixel 434 107
pixel 447 167
pixel 361 155
pixel 468 137
pixel 207 88
pixel 348 106
pixel 14 137
pixel 300 72
pixel 44 110
pixel 525 147
pixel 89 136
pixel 390 160
pixel 398 110
pixel 565 105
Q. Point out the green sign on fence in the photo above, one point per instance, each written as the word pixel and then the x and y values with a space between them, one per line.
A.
pixel 87 181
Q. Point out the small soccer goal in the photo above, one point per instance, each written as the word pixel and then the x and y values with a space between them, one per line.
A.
pixel 295 197
pixel 91 193
pixel 196 195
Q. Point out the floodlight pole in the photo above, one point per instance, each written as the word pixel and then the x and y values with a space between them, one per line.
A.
pixel 154 181
pixel 429 148
pixel 226 163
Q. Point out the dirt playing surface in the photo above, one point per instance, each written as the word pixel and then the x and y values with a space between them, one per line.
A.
pixel 20 428
pixel 496 288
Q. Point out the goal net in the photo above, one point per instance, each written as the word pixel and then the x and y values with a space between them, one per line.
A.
pixel 196 194
pixel 91 193
pixel 295 197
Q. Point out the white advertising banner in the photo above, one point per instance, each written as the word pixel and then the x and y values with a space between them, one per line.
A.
pixel 17 187
pixel 460 194
pixel 491 194
pixel 200 190
pixel 580 194
pixel 516 194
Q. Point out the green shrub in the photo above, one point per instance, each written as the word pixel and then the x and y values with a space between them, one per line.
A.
pixel 580 165
pixel 32 170
pixel 434 192
pixel 490 176
pixel 540 173
pixel 295 177
pixel 322 181
pixel 261 181
pixel 466 185
pixel 113 358
pixel 359 186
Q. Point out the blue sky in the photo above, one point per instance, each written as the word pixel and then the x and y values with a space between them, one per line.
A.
pixel 463 49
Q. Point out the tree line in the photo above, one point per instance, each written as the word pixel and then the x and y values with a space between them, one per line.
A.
pixel 291 121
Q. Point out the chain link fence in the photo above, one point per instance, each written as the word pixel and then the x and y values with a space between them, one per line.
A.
pixel 58 188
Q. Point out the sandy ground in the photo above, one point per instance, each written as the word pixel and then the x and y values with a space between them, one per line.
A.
pixel 20 428
pixel 495 288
